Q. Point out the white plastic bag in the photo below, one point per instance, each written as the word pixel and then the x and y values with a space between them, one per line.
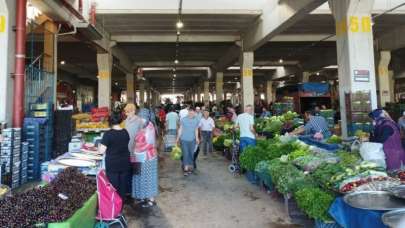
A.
pixel 150 134
pixel 373 152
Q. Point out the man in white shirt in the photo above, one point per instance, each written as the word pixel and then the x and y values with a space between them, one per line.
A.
pixel 245 122
pixel 198 113
pixel 207 124
pixel 184 112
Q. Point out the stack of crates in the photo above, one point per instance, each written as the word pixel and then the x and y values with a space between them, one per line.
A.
pixel 16 158
pixel 45 111
pixel 11 155
pixel 7 150
pixel 24 162
pixel 35 135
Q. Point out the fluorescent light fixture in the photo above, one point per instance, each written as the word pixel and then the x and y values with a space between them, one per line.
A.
pixel 179 24
pixel 62 62
pixel 256 68
pixel 174 75
pixel 317 73
pixel 236 78
pixel 176 61
pixel 280 61
pixel 323 81
pixel 178 33
pixel 331 67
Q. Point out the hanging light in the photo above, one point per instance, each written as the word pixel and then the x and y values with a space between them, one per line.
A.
pixel 62 62
pixel 281 61
pixel 317 73
pixel 179 24
pixel 174 75
pixel 178 33
pixel 174 69
pixel 176 61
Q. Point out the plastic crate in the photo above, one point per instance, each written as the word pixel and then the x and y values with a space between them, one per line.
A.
pixel 322 224
pixel 252 177
pixel 295 214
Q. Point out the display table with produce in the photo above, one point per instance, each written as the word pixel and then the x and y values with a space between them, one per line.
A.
pixel 316 178
pixel 68 201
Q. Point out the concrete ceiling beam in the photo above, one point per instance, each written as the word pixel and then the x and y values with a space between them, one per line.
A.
pixel 392 40
pixel 302 38
pixel 171 38
pixel 170 64
pixel 228 59
pixel 124 60
pixel 217 11
pixel 277 17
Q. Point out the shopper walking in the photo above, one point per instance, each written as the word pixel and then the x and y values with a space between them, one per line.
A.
pixel 188 140
pixel 198 113
pixel 172 122
pixel 245 122
pixel 207 124
pixel 115 146
pixel 184 112
pixel 145 182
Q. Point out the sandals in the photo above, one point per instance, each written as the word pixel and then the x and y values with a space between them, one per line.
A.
pixel 148 203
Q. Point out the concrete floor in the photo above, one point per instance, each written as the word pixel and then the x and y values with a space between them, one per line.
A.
pixel 211 198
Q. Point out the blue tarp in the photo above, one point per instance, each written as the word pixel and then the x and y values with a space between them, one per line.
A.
pixel 323 145
pixel 350 217
pixel 314 87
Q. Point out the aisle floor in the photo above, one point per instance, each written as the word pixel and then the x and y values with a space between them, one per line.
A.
pixel 211 198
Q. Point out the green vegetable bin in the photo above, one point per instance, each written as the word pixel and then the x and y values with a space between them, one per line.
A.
pixel 85 217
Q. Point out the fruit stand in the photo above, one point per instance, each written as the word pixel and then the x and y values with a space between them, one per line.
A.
pixel 68 201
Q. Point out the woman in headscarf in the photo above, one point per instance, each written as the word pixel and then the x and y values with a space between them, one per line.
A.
pixel 388 133
pixel 145 183
pixel 132 124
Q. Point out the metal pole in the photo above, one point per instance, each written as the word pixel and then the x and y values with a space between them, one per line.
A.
pixel 18 105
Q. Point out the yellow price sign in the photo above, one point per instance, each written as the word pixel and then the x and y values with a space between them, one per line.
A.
pixel 2 23
pixel 247 72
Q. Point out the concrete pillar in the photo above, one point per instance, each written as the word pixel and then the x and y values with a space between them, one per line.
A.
pixel 392 85
pixel 104 63
pixel 141 94
pixel 219 87
pixel 305 76
pixel 246 66
pixel 269 91
pixel 130 88
pixel 206 93
pixel 7 59
pixel 384 79
pixel 49 46
pixel 355 53
pixel 198 93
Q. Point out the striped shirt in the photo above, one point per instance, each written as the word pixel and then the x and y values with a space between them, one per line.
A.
pixel 317 124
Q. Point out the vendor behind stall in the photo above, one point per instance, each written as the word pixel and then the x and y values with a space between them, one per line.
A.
pixel 388 133
pixel 316 126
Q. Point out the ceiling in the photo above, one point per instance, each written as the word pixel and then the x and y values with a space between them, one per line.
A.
pixel 157 24
pixel 310 55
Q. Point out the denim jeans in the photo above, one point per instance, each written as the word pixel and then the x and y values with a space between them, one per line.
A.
pixel 206 144
pixel 245 142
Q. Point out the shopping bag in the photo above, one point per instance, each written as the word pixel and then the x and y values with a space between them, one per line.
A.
pixel 373 152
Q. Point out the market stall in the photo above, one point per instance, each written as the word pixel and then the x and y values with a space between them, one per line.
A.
pixel 323 182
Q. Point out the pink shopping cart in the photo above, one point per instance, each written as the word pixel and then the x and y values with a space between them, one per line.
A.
pixel 109 203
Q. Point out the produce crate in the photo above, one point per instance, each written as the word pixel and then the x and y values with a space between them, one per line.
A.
pixel 85 217
pixel 38 134
pixel 265 181
pixel 252 177
pixel 295 214
pixel 322 224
